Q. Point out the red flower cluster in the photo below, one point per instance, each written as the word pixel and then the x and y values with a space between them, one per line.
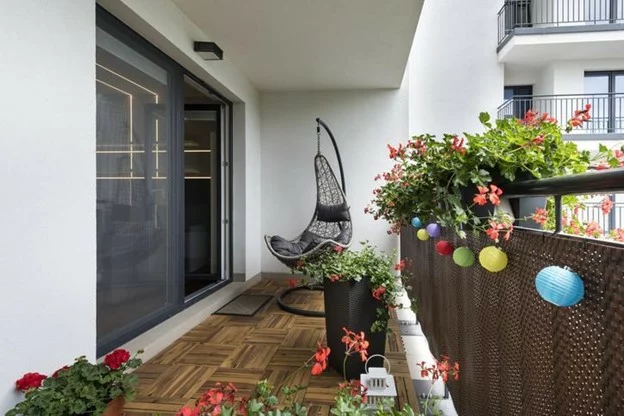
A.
pixel 606 205
pixel 400 266
pixel 354 388
pixel 212 401
pixel 292 282
pixel 533 118
pixel 320 358
pixel 458 145
pixel 580 116
pixel 30 381
pixel 116 359
pixel 492 194
pixel 418 145
pixel 378 293
pixel 355 342
pixel 338 249
pixel 396 153
pixel 56 373
pixel 540 216
pixel 497 228
pixel 441 369
pixel 334 277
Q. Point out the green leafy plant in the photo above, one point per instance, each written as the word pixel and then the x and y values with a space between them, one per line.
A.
pixel 447 180
pixel 82 388
pixel 387 278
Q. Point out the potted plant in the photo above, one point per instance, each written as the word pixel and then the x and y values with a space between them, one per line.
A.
pixel 82 388
pixel 459 182
pixel 360 289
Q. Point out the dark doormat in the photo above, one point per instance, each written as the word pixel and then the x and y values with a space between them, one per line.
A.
pixel 244 305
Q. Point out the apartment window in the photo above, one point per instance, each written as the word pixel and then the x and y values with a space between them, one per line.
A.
pixel 605 92
pixel 162 185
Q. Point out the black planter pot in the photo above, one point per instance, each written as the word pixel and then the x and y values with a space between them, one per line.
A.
pixel 498 180
pixel 351 305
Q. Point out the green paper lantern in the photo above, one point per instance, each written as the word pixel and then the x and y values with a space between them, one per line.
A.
pixel 463 256
pixel 422 235
pixel 493 259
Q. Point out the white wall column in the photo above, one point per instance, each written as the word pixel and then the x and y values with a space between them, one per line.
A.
pixel 47 166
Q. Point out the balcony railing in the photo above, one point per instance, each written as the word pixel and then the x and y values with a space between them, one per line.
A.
pixel 592 212
pixel 521 355
pixel 607 110
pixel 539 14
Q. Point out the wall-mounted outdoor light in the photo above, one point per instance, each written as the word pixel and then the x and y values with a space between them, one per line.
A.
pixel 208 50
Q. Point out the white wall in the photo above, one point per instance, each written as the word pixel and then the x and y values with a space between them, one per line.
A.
pixel 47 165
pixel 453 67
pixel 163 24
pixel 364 122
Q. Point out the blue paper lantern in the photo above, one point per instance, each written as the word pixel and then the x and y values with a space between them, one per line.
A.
pixel 416 222
pixel 559 286
pixel 434 230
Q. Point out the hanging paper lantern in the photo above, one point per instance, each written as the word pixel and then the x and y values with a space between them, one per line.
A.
pixel 444 248
pixel 416 222
pixel 493 259
pixel 463 257
pixel 559 286
pixel 422 235
pixel 434 230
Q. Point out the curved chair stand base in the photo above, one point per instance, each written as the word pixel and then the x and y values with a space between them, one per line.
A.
pixel 297 311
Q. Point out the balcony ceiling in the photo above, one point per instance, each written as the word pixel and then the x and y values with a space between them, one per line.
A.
pixel 542 48
pixel 311 45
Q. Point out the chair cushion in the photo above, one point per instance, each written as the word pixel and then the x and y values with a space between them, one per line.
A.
pixel 332 213
pixel 288 248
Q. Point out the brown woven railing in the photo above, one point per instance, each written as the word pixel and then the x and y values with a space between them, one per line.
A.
pixel 520 355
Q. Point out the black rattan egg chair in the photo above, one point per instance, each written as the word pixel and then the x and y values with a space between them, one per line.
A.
pixel 330 225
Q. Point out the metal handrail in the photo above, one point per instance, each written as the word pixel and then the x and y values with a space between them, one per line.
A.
pixel 596 182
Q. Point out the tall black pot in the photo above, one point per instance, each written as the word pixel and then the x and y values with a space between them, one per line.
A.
pixel 351 305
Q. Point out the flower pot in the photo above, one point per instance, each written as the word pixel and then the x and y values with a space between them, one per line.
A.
pixel 115 407
pixel 351 305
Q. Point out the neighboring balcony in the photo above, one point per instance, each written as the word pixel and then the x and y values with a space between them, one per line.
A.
pixel 607 112
pixel 534 30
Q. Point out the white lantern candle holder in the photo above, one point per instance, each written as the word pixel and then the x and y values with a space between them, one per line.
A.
pixel 379 383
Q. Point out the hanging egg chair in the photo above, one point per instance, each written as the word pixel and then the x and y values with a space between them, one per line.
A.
pixel 331 222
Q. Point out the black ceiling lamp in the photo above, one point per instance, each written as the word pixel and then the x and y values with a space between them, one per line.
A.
pixel 208 50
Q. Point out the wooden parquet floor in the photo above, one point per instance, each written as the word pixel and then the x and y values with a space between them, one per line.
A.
pixel 246 349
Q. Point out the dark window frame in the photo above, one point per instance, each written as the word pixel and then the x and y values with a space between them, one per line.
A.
pixel 611 75
pixel 176 72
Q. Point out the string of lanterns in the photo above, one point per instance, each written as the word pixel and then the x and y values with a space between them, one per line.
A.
pixel 557 285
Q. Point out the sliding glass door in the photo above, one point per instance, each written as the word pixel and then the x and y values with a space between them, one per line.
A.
pixel 160 216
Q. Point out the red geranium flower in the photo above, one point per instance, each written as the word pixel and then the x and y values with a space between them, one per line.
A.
pixel 30 381
pixel 292 282
pixel 55 374
pixel 606 205
pixel 321 359
pixel 116 359
pixel 378 293
pixel 540 216
pixel 338 249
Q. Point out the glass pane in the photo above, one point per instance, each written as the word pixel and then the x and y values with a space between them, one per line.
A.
pixel 598 86
pixel 132 188
pixel 202 137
